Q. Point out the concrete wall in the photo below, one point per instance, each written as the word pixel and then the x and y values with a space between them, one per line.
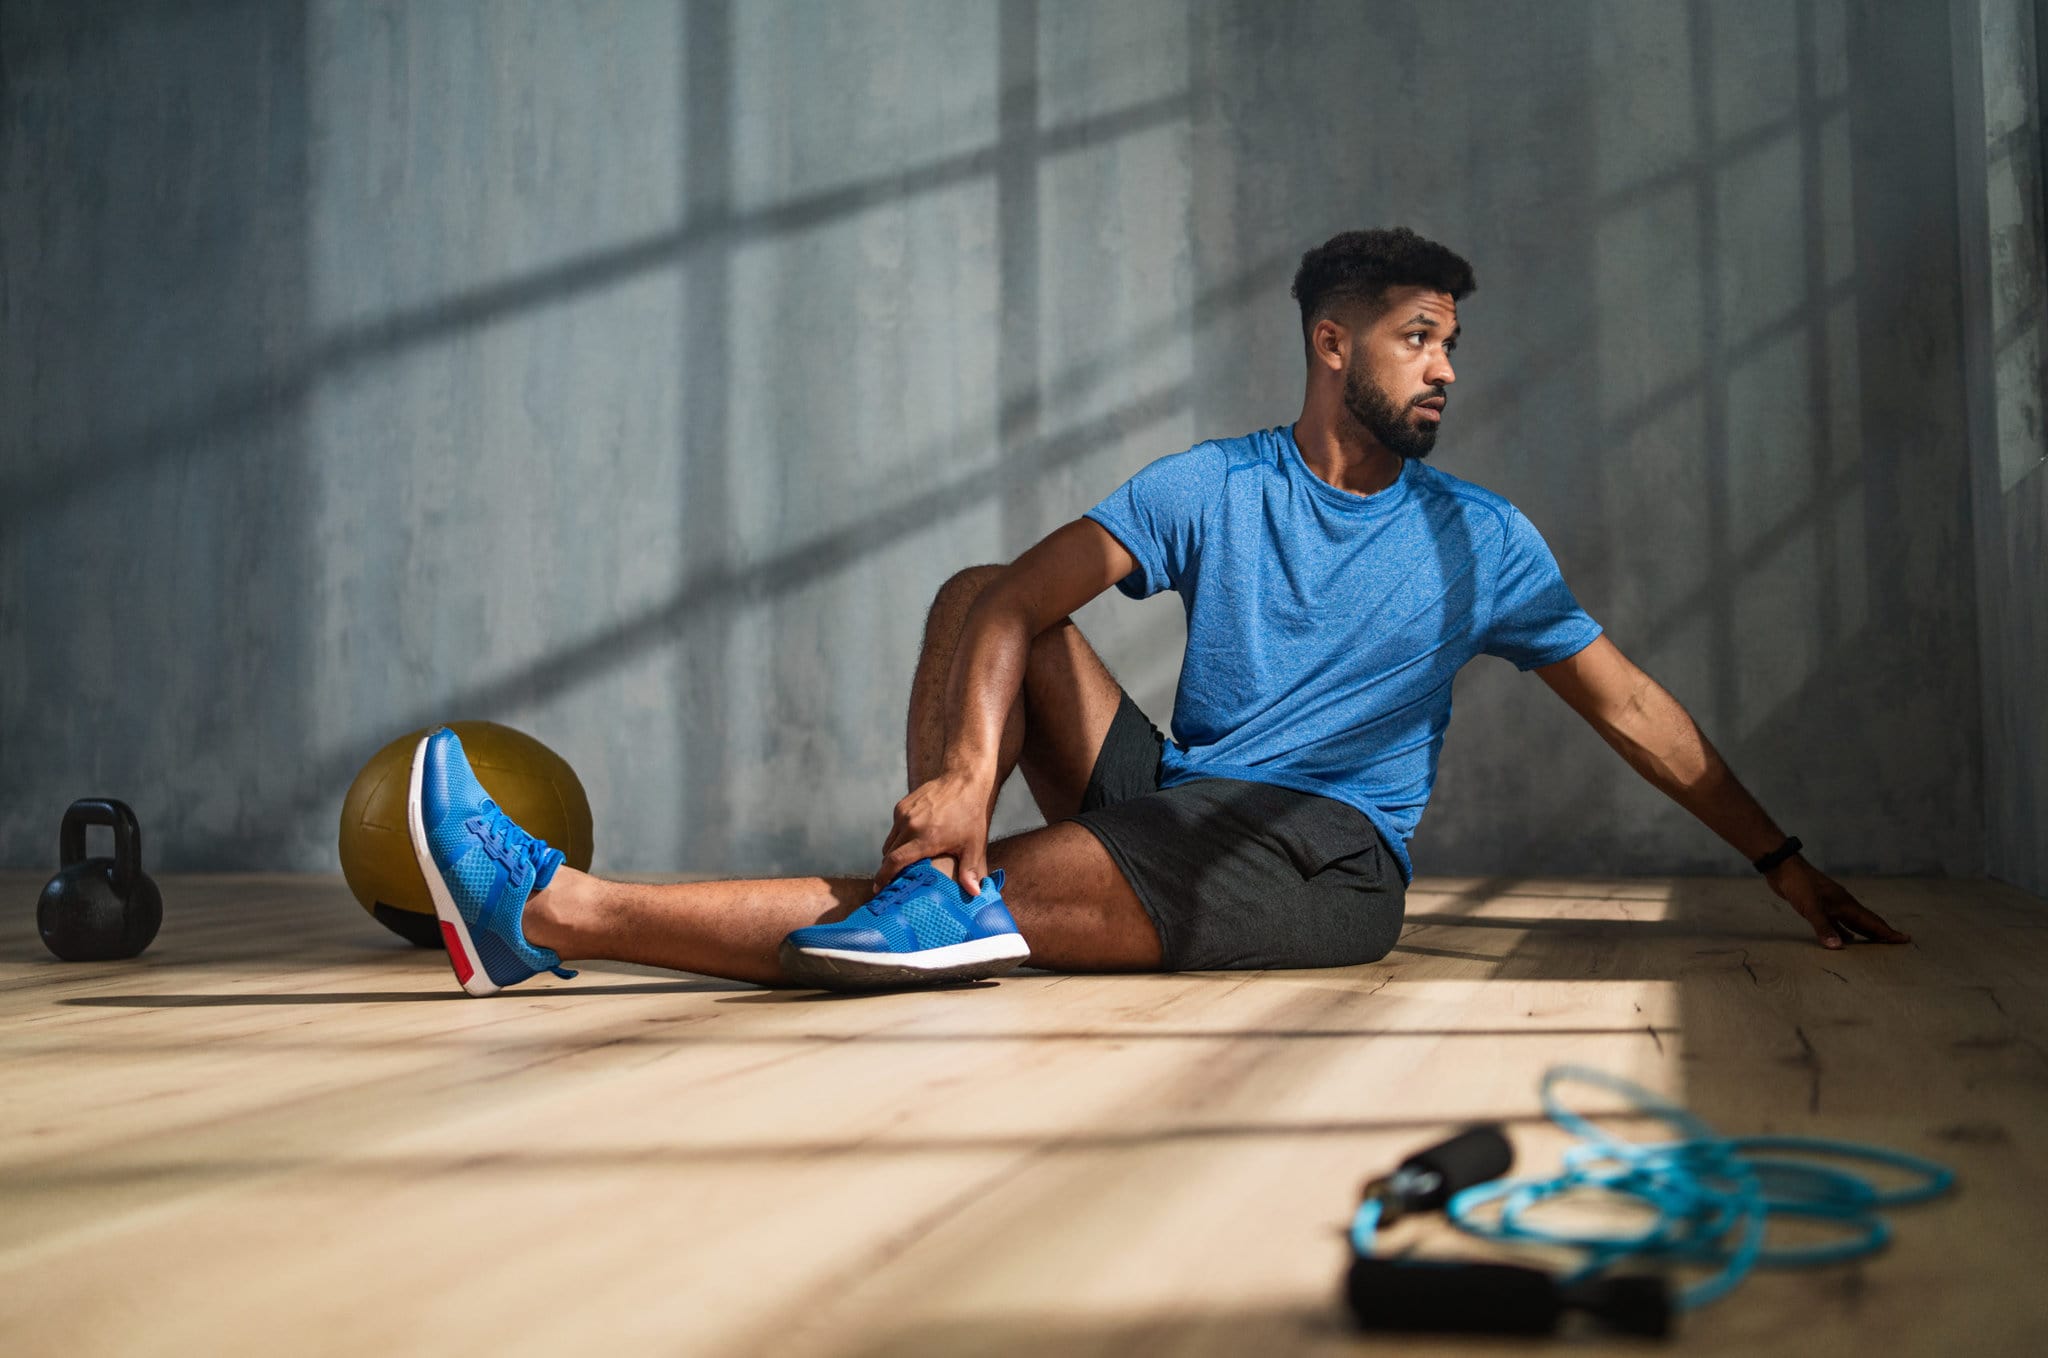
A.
pixel 632 372
pixel 2005 287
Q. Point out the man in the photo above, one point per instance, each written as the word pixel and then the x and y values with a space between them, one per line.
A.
pixel 1334 585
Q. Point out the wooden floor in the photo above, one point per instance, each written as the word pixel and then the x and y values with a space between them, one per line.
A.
pixel 283 1131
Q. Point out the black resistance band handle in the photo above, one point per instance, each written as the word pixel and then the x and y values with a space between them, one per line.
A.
pixel 1471 1157
pixel 1424 1296
pixel 1427 1179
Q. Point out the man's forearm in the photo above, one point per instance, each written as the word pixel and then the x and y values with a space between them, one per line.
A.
pixel 1661 741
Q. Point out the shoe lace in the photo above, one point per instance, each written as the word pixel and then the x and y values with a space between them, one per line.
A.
pixel 893 895
pixel 505 841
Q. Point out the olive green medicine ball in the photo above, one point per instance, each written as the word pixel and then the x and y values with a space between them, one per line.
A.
pixel 531 783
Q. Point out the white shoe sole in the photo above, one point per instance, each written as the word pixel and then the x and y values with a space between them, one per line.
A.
pixel 852 969
pixel 462 955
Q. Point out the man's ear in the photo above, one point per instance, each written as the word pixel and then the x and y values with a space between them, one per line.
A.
pixel 1329 344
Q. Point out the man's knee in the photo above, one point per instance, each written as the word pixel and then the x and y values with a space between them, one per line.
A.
pixel 1051 649
pixel 960 591
pixel 1052 657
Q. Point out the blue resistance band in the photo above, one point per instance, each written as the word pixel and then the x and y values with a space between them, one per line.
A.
pixel 1713 1198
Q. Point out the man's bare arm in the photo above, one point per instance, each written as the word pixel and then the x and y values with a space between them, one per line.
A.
pixel 948 816
pixel 1659 739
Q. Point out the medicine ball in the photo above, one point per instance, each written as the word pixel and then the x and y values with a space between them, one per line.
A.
pixel 531 783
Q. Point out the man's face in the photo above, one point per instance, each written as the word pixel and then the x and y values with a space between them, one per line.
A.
pixel 1399 374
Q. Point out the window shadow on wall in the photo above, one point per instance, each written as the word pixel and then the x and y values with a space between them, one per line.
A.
pixel 156 163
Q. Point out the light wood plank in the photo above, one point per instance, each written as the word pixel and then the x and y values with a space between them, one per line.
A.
pixel 281 1121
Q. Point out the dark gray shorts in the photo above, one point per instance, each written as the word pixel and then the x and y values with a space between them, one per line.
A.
pixel 1240 875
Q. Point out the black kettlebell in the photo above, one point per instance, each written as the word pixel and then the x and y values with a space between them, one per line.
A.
pixel 97 909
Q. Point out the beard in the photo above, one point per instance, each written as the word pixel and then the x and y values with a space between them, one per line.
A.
pixel 1394 426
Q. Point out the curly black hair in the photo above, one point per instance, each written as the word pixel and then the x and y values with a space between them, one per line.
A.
pixel 1355 267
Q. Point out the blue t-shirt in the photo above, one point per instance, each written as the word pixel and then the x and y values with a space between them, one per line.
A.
pixel 1324 628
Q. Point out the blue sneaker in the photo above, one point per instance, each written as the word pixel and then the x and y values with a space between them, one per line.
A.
pixel 920 928
pixel 480 869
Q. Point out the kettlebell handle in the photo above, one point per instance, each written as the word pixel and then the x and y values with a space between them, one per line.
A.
pixel 127 837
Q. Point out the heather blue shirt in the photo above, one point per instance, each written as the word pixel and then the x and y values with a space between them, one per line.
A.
pixel 1324 628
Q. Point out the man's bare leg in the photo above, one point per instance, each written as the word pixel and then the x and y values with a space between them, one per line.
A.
pixel 730 929
pixel 1067 895
pixel 1069 900
pixel 1057 726
pixel 1070 903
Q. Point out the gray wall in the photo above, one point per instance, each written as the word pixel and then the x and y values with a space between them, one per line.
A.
pixel 633 372
pixel 2004 251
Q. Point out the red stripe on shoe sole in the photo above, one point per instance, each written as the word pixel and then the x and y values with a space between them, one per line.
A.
pixel 456 954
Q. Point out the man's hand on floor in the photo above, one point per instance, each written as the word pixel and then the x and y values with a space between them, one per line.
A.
pixel 944 818
pixel 1827 905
